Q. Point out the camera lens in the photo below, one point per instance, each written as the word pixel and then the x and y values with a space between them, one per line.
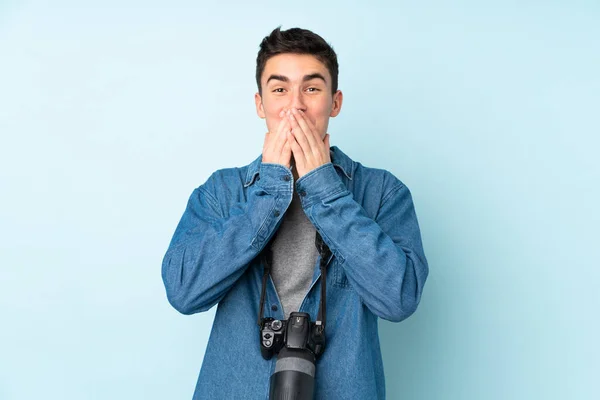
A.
pixel 294 377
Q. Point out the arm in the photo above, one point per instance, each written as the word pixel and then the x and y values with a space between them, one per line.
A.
pixel 383 258
pixel 209 252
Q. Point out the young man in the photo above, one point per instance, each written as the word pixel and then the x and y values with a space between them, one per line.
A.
pixel 297 187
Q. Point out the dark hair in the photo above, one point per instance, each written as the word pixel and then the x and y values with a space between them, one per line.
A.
pixel 297 41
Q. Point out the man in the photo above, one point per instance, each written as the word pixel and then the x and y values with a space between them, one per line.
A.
pixel 298 185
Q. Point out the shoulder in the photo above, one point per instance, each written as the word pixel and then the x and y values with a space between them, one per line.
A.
pixel 230 180
pixel 379 181
pixel 386 176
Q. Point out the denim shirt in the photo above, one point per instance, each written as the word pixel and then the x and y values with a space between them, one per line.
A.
pixel 377 270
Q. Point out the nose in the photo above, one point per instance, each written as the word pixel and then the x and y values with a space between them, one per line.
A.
pixel 297 100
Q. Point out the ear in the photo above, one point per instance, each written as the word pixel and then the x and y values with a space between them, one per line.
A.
pixel 259 106
pixel 336 106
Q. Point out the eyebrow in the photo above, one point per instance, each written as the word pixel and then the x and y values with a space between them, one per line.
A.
pixel 308 77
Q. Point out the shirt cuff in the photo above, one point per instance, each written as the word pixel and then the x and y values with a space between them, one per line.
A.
pixel 275 178
pixel 319 184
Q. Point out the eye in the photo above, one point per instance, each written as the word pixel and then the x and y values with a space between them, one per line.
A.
pixel 314 89
pixel 277 90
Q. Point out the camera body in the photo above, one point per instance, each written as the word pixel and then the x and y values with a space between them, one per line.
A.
pixel 295 333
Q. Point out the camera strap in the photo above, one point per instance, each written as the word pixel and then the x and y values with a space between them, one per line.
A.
pixel 267 258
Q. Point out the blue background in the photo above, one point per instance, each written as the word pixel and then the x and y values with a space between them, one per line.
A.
pixel 112 112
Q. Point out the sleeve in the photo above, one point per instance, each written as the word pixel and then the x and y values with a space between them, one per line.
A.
pixel 383 258
pixel 209 252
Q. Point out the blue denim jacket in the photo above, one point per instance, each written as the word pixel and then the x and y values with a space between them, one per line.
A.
pixel 378 269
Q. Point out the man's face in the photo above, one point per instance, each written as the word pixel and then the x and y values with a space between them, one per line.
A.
pixel 297 81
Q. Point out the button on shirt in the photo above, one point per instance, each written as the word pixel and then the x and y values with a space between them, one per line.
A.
pixel 377 270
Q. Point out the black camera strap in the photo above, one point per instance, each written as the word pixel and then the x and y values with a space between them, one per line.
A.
pixel 325 253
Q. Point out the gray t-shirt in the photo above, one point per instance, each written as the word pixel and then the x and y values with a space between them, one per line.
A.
pixel 294 257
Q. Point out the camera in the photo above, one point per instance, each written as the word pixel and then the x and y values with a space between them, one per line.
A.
pixel 298 342
pixel 297 333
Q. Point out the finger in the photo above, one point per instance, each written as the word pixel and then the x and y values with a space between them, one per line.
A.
pixel 265 142
pixel 300 136
pixel 286 153
pixel 271 151
pixel 280 126
pixel 312 126
pixel 273 136
pixel 311 135
pixel 297 151
pixel 281 136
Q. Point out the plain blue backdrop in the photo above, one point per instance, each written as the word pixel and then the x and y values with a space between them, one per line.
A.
pixel 112 112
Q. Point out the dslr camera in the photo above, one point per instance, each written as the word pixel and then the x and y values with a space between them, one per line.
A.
pixel 298 342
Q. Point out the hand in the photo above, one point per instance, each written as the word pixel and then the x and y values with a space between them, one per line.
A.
pixel 276 147
pixel 309 150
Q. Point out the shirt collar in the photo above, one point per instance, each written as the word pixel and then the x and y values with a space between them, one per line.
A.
pixel 338 158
